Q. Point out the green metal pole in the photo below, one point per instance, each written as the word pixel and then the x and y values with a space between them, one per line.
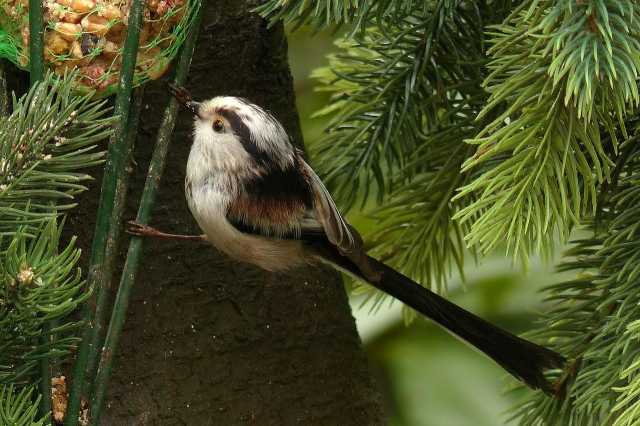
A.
pixel 111 249
pixel 45 376
pixel 36 41
pixel 36 65
pixel 103 284
pixel 94 311
pixel 4 95
pixel 156 168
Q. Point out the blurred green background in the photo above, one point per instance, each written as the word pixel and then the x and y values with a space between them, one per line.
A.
pixel 428 377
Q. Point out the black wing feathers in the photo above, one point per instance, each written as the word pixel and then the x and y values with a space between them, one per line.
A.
pixel 274 203
pixel 280 186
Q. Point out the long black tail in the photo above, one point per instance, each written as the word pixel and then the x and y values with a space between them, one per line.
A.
pixel 523 359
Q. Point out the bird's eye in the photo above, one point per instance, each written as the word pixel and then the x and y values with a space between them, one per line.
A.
pixel 218 126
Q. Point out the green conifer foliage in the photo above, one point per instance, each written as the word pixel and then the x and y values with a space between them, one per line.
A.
pixel 19 408
pixel 45 143
pixel 480 125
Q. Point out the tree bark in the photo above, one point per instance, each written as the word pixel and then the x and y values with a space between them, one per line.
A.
pixel 209 341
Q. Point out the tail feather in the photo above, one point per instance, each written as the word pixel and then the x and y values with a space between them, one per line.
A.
pixel 525 360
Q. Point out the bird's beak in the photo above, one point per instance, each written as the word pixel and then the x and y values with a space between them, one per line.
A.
pixel 184 98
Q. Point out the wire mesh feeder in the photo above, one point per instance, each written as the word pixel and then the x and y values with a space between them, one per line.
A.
pixel 90 34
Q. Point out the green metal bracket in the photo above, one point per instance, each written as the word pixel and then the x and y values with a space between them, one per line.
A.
pixel 156 168
pixel 36 41
pixel 4 95
pixel 107 226
pixel 36 53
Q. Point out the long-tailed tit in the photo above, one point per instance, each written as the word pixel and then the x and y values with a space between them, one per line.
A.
pixel 257 200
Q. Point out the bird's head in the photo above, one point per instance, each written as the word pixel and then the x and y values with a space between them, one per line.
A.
pixel 236 133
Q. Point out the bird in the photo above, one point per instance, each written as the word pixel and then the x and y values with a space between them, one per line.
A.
pixel 256 199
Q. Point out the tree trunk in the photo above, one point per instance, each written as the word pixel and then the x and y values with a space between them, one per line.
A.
pixel 209 341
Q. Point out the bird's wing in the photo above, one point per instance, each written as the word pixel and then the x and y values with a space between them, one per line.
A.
pixel 288 203
pixel 340 234
pixel 338 231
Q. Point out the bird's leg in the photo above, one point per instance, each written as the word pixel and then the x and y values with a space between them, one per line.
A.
pixel 141 230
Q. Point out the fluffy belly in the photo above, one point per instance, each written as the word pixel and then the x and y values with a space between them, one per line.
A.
pixel 269 254
pixel 208 204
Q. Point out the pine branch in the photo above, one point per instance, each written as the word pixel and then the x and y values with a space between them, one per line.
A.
pixel 48 138
pixel 19 408
pixel 415 231
pixel 595 318
pixel 389 89
pixel 562 71
pixel 321 14
pixel 405 97
pixel 37 285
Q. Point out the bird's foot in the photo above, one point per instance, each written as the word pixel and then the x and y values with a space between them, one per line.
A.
pixel 142 230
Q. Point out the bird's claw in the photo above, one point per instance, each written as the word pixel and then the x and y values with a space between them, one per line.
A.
pixel 139 229
pixel 184 98
pixel 180 93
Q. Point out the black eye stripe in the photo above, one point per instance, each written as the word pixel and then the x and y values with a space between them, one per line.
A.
pixel 235 122
pixel 240 129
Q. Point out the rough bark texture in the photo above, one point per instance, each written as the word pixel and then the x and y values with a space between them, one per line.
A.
pixel 209 341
